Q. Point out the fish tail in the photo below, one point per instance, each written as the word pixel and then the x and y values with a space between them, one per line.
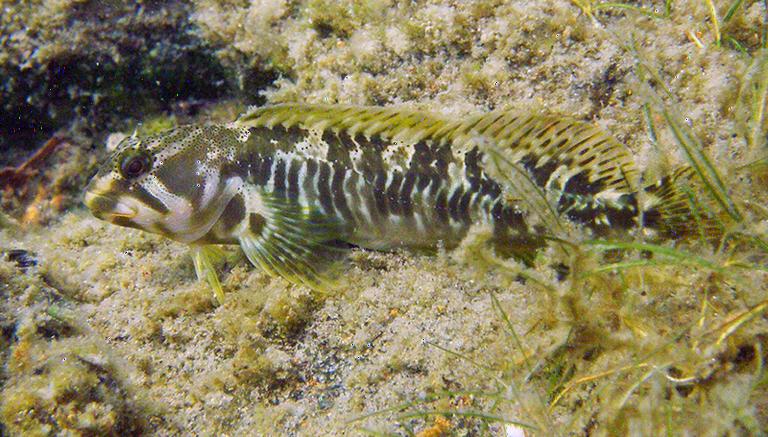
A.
pixel 672 210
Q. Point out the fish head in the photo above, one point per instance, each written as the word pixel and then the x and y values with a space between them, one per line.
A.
pixel 171 183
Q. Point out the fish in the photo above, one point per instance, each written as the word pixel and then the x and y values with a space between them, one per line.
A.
pixel 297 185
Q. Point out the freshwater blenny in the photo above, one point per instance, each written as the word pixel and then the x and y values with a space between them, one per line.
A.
pixel 295 185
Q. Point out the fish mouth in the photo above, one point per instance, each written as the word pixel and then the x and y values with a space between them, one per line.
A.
pixel 107 207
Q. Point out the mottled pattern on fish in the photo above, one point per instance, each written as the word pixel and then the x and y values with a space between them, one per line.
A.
pixel 294 185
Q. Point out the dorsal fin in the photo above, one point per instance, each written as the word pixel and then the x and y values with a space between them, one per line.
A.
pixel 395 124
pixel 544 143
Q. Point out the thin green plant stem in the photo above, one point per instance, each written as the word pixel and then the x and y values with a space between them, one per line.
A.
pixel 508 323
pixel 701 164
pixel 731 10
pixel 737 45
pixel 464 413
pixel 650 127
pixel 715 21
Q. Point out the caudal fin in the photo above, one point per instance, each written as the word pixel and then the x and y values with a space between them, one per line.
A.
pixel 669 207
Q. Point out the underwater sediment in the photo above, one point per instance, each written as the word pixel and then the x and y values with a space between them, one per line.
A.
pixel 106 330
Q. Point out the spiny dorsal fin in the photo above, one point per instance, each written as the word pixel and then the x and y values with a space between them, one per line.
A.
pixel 395 124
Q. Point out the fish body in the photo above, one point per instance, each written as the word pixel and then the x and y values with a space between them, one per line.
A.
pixel 295 185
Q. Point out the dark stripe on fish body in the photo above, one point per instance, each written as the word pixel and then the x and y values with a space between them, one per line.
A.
pixel 379 193
pixel 368 195
pixel 441 206
pixel 576 199
pixel 472 167
pixel 464 210
pixel 278 177
pixel 263 170
pixel 371 163
pixel 421 158
pixel 496 211
pixel 339 146
pixel 490 188
pixel 652 218
pixel 513 218
pixel 392 193
pixel 625 217
pixel 339 196
pixel 542 173
pixel 324 188
pixel 436 183
pixel 423 182
pixel 293 179
pixel 349 145
pixel 443 157
pixel 585 217
pixel 309 179
pixel 504 216
pixel 350 189
pixel 406 193
pixel 453 203
pixel 580 184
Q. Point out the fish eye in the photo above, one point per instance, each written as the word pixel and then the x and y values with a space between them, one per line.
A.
pixel 134 164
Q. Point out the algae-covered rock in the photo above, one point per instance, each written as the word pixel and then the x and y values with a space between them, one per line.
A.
pixel 57 377
pixel 74 391
pixel 95 60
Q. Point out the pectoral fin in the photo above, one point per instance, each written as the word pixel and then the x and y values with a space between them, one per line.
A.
pixel 296 243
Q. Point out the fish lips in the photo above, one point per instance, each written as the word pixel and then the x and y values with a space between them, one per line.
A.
pixel 108 207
